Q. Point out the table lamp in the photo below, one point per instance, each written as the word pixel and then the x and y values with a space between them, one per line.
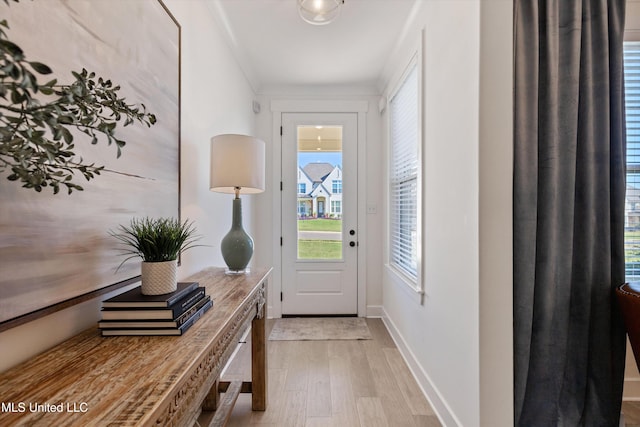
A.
pixel 237 166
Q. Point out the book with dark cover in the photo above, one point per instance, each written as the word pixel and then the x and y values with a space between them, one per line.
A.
pixel 164 331
pixel 134 298
pixel 169 313
pixel 157 324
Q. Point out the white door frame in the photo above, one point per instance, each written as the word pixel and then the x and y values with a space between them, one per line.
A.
pixel 278 107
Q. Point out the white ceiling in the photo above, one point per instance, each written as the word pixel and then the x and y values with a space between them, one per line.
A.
pixel 276 48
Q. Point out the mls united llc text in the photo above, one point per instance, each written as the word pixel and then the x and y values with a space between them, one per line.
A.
pixel 21 407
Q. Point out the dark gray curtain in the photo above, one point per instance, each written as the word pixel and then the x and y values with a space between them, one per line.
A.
pixel 569 185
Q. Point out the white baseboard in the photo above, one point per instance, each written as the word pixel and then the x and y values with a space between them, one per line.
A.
pixel 375 311
pixel 441 408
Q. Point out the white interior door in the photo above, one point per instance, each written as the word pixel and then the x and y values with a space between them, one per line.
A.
pixel 319 214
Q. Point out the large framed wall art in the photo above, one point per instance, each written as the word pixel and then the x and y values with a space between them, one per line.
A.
pixel 55 250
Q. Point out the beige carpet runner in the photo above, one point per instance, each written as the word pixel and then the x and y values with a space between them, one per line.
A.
pixel 318 329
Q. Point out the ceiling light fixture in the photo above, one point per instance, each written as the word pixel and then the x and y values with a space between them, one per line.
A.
pixel 319 12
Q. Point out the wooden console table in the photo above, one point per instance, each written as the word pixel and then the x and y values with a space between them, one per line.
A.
pixel 142 381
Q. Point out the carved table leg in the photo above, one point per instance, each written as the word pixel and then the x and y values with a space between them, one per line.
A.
pixel 259 361
pixel 212 400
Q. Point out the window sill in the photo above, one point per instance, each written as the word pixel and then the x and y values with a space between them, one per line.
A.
pixel 409 286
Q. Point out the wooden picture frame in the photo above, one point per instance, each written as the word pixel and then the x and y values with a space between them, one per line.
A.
pixel 55 250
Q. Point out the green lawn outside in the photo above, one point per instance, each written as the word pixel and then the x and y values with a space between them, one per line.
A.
pixel 632 246
pixel 319 249
pixel 320 225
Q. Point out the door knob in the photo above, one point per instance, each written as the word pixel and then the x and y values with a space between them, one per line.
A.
pixel 352 243
pixel 352 232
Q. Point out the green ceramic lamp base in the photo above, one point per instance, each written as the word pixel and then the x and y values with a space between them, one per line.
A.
pixel 237 245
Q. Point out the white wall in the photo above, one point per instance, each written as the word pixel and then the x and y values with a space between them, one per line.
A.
pixel 216 98
pixel 454 339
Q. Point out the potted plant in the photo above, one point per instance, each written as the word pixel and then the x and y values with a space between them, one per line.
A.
pixel 159 242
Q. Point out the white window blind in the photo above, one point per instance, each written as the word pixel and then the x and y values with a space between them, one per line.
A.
pixel 403 176
pixel 632 199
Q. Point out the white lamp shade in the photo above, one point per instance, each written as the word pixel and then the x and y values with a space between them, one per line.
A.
pixel 237 161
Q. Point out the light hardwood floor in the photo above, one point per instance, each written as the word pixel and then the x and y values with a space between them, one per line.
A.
pixel 631 411
pixel 334 383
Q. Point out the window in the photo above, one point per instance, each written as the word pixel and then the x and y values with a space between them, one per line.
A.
pixel 302 208
pixel 336 186
pixel 403 176
pixel 302 188
pixel 336 207
pixel 632 198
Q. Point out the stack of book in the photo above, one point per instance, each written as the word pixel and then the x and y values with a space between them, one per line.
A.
pixel 132 313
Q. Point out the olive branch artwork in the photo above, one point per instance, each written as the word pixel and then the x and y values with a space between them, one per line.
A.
pixel 37 119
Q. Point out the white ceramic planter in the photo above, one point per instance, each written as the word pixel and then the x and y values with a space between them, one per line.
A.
pixel 159 277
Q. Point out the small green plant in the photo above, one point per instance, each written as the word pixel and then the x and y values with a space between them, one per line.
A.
pixel 156 239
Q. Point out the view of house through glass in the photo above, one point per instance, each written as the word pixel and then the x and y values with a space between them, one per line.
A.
pixel 632 199
pixel 319 192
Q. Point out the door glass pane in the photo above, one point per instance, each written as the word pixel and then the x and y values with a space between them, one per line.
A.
pixel 319 192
